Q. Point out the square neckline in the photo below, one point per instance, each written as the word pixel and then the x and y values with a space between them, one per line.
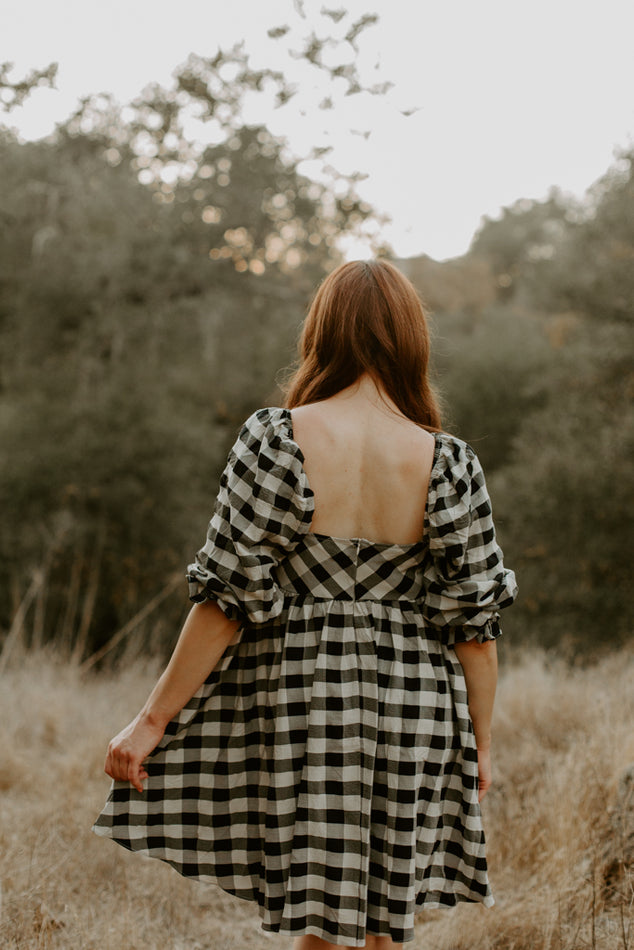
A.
pixel 356 541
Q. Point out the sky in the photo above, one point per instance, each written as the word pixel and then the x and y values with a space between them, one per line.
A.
pixel 511 98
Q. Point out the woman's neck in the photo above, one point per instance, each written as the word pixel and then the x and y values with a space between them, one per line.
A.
pixel 365 391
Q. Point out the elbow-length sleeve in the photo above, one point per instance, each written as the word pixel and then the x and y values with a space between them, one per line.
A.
pixel 466 582
pixel 263 507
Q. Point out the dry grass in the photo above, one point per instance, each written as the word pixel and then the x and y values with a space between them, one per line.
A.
pixel 563 739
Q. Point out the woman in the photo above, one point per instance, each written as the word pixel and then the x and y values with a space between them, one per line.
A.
pixel 319 742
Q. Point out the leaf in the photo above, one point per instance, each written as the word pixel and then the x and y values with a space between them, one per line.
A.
pixel 368 19
pixel 335 15
pixel 277 31
pixel 380 89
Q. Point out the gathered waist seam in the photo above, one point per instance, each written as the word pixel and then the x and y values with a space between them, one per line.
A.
pixel 399 602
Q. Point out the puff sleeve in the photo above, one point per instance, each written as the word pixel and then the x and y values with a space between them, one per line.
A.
pixel 466 581
pixel 263 507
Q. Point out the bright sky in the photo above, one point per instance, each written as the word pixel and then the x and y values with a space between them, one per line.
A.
pixel 513 97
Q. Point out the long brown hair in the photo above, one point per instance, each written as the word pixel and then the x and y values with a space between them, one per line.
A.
pixel 366 317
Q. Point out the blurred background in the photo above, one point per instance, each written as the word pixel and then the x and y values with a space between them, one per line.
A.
pixel 174 185
pixel 175 182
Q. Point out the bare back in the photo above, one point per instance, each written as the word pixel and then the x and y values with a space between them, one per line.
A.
pixel 367 465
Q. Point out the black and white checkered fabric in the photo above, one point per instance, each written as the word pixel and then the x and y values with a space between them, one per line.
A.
pixel 327 768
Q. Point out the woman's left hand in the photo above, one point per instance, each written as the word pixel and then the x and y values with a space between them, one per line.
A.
pixel 128 749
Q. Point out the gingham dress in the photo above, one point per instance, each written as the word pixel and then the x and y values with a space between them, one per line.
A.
pixel 327 769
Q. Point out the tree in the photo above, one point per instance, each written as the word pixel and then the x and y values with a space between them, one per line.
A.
pixel 150 289
pixel 522 242
pixel 595 266
pixel 14 92
pixel 542 387
pixel 564 499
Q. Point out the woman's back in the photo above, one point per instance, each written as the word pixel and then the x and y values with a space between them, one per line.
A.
pixel 367 465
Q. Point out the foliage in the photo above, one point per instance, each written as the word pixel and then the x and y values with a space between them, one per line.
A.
pixel 152 287
pixel 140 325
pixel 542 386
pixel 526 235
pixel 595 272
pixel 561 254
pixel 565 498
pixel 14 92
pixel 491 370
pixel 155 262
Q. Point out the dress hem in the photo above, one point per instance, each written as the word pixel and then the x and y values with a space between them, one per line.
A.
pixel 310 929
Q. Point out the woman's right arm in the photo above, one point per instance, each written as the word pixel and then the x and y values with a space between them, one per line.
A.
pixel 479 662
pixel 204 638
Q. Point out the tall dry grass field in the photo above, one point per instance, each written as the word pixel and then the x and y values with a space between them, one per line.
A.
pixel 560 858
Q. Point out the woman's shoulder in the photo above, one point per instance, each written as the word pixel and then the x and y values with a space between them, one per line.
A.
pixel 453 456
pixel 265 424
pixel 266 439
pixel 457 483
